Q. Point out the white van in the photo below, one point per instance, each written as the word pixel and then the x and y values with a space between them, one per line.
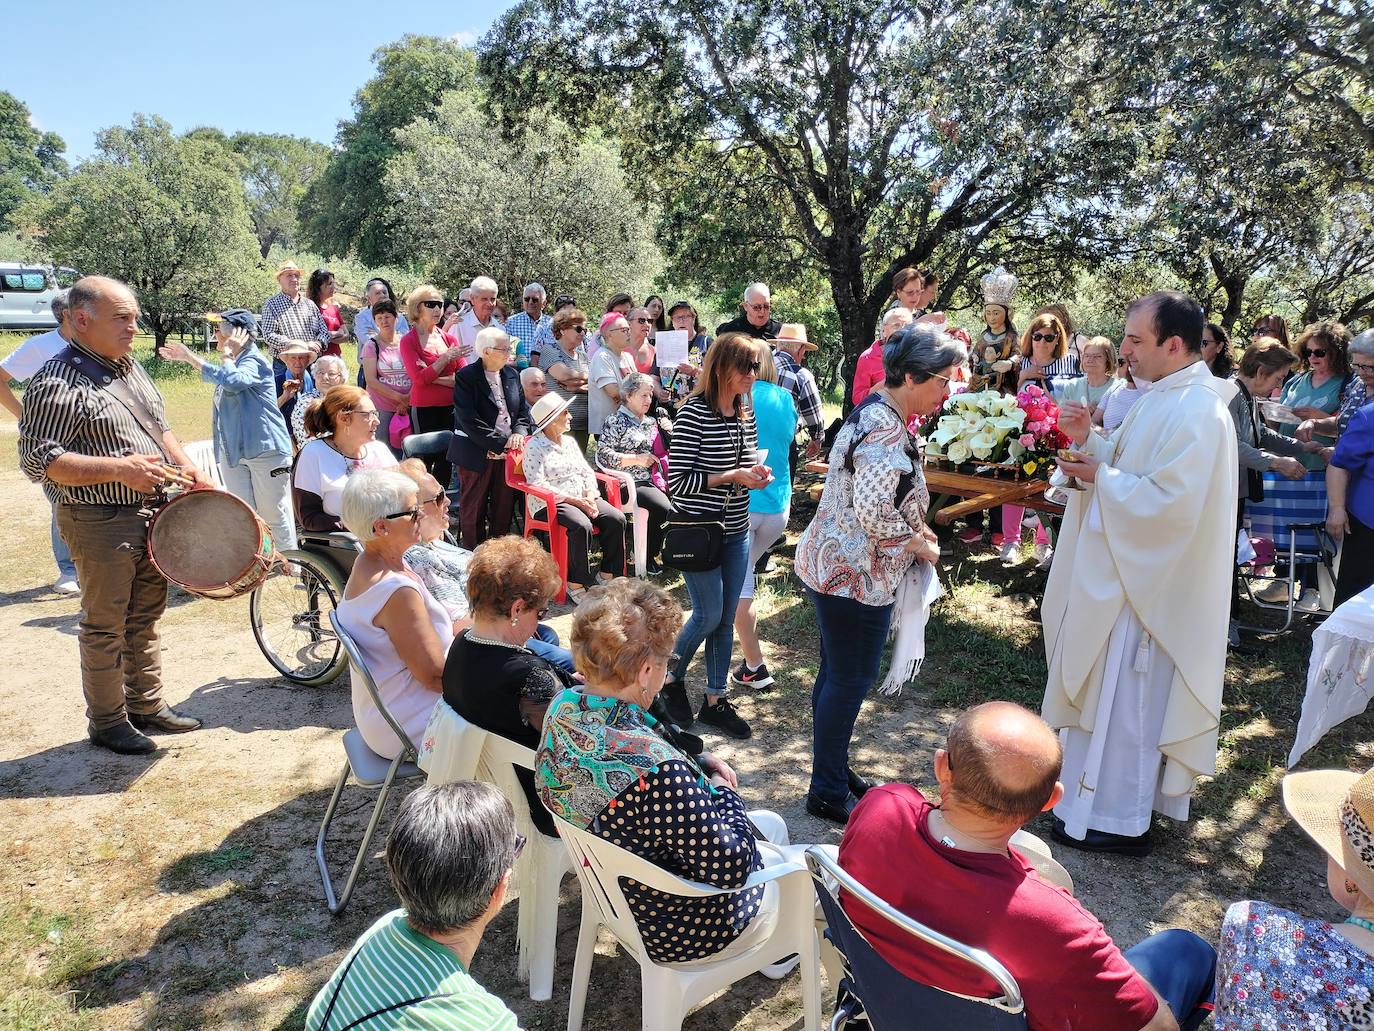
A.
pixel 26 293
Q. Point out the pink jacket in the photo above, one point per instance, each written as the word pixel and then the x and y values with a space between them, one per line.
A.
pixel 869 372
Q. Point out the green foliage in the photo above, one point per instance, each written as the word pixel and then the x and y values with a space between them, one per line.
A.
pixel 542 206
pixel 165 215
pixel 30 161
pixel 345 209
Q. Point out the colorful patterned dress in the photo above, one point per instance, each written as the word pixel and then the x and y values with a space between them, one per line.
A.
pixel 604 767
pixel 1278 970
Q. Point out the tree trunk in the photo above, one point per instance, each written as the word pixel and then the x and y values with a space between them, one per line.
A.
pixel 1232 283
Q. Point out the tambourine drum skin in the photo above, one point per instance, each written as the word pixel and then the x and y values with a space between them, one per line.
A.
pixel 210 543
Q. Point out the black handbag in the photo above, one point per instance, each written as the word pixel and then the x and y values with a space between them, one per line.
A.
pixel 693 543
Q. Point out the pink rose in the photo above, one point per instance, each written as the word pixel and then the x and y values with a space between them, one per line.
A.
pixel 1027 440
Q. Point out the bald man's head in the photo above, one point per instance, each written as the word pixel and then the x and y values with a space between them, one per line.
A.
pixel 104 315
pixel 1004 761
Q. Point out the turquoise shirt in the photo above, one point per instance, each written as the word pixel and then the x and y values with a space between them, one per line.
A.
pixel 775 415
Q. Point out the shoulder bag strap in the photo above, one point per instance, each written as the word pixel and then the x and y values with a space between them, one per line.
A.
pixel 117 388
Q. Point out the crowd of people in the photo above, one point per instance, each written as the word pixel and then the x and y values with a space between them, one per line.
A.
pixel 1178 445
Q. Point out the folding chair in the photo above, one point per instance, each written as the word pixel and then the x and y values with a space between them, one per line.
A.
pixel 873 990
pixel 668 992
pixel 368 768
pixel 1324 557
pixel 548 523
pixel 454 749
pixel 202 453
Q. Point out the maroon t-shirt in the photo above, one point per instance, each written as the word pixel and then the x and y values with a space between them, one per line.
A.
pixel 1071 974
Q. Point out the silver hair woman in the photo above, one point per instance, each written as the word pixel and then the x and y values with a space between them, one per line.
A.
pixel 630 440
pixel 450 855
pixel 855 556
pixel 402 631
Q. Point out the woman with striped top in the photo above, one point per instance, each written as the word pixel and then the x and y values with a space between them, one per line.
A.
pixel 712 467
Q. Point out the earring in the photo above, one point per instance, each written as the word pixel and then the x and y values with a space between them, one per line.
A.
pixel 514 620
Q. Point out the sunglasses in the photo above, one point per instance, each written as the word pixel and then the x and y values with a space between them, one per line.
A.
pixel 531 300
pixel 437 501
pixel 579 330
pixel 760 307
pixel 752 368
pixel 647 322
pixel 1314 352
pixel 1048 338
pixel 431 304
pixel 413 514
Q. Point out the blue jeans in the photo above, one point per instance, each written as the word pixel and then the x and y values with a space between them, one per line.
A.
pixel 61 554
pixel 714 593
pixel 852 638
pixel 544 643
pixel 1181 967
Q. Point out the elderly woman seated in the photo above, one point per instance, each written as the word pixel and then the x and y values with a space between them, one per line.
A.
pixel 444 567
pixel 449 854
pixel 630 440
pixel 404 634
pixel 605 766
pixel 329 372
pixel 341 424
pixel 492 678
pixel 1276 968
pixel 554 461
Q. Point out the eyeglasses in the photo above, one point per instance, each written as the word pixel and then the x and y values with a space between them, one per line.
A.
pixel 500 350
pixel 412 513
pixel 438 501
pixel 1047 338
pixel 760 307
pixel 1359 367
pixel 1093 355
pixel 1314 352
pixel 366 413
pixel 431 304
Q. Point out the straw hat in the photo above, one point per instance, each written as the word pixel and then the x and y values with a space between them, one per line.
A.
pixel 547 409
pixel 793 333
pixel 1336 809
pixel 288 266
pixel 295 347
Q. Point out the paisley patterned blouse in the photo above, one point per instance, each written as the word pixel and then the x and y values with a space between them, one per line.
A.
pixel 1279 970
pixel 604 768
pixel 855 546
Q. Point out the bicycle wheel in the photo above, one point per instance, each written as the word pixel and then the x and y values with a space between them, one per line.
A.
pixel 289 613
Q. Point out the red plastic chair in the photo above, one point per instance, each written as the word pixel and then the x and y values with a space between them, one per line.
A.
pixel 548 521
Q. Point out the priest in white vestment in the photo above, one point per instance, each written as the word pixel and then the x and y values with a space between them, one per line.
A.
pixel 1136 608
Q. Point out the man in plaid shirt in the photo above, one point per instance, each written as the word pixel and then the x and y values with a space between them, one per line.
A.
pixel 789 347
pixel 290 316
pixel 527 323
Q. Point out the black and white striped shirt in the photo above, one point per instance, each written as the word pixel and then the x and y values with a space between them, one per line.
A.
pixel 64 412
pixel 706 443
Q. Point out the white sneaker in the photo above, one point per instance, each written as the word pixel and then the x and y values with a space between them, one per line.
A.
pixel 67 585
pixel 1030 520
pixel 1010 553
pixel 1310 601
pixel 1044 555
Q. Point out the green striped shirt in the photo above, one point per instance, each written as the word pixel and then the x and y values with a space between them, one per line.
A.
pixel 393 963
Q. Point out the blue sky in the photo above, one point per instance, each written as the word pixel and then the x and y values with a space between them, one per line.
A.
pixel 248 65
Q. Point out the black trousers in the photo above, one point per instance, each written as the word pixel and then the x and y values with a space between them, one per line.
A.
pixel 432 419
pixel 1357 560
pixel 610 524
pixel 656 505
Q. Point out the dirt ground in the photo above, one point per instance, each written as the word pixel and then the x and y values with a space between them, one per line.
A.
pixel 180 891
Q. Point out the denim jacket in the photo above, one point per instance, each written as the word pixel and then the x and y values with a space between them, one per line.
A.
pixel 247 422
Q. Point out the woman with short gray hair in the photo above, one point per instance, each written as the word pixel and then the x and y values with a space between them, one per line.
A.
pixel 450 855
pixel 868 530
pixel 402 631
pixel 630 440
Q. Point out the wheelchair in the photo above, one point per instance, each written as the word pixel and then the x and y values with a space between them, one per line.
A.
pixel 289 611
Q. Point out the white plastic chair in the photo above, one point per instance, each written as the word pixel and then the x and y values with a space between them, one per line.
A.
pixel 638 518
pixel 369 769
pixel 202 453
pixel 454 749
pixel 539 871
pixel 669 992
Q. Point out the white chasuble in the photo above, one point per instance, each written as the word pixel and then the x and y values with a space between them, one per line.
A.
pixel 1136 608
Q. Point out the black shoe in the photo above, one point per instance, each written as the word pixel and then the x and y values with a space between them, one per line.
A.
pixel 857 784
pixel 677 703
pixel 166 721
pixel 759 679
pixel 124 739
pixel 653 567
pixel 1101 841
pixel 762 565
pixel 723 717
pixel 829 810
